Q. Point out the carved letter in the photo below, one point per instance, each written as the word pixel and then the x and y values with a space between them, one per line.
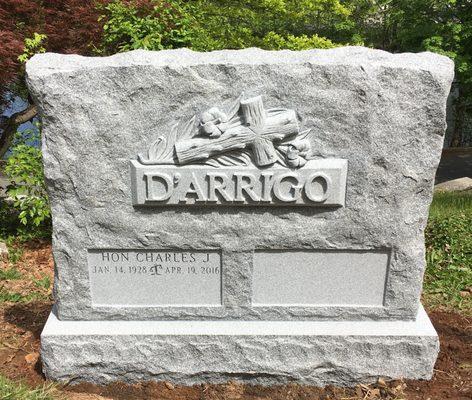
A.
pixel 322 182
pixel 194 188
pixel 220 186
pixel 151 181
pixel 266 186
pixel 278 189
pixel 247 187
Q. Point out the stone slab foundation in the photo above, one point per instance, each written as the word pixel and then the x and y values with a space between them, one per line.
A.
pixel 257 352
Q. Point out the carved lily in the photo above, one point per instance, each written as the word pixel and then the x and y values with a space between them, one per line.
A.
pixel 212 122
pixel 297 152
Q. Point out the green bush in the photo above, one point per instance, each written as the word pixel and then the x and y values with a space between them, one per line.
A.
pixel 274 41
pixel 29 203
pixel 206 25
pixel 153 25
pixel 9 221
pixel 33 45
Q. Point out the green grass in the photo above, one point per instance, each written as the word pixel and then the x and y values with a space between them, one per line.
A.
pixel 451 203
pixel 448 277
pixel 9 274
pixel 15 297
pixel 10 390
pixel 44 282
pixel 15 248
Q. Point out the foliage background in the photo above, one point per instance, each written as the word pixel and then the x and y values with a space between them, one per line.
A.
pixel 108 26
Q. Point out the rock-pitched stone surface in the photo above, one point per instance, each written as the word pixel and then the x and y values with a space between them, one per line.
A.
pixel 384 113
pixel 258 352
pixel 381 115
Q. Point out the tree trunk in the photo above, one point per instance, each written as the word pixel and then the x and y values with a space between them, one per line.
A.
pixel 10 126
pixel 460 115
pixel 264 152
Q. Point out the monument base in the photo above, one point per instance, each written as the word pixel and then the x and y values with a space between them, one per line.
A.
pixel 257 352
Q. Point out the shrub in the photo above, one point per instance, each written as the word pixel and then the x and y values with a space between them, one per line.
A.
pixel 27 190
pixel 206 25
pixel 274 41
pixel 150 25
pixel 33 45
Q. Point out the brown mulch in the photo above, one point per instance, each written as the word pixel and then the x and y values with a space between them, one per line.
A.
pixel 36 264
pixel 21 325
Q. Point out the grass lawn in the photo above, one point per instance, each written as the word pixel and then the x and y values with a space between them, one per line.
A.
pixel 10 390
pixel 448 236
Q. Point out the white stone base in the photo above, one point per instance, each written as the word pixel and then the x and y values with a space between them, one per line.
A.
pixel 258 352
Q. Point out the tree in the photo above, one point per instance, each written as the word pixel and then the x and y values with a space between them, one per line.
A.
pixel 440 26
pixel 69 26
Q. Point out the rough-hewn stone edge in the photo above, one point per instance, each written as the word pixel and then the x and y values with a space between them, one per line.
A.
pixel 42 65
pixel 259 352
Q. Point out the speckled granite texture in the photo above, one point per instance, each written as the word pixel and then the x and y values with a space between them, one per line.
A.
pixel 259 352
pixel 383 113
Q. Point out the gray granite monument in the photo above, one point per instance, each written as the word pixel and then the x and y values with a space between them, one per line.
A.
pixel 246 214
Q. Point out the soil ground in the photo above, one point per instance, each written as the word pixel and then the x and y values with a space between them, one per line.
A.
pixel 21 323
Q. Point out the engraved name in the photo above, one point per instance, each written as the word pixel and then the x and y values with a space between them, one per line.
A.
pixel 151 263
pixel 154 277
pixel 318 183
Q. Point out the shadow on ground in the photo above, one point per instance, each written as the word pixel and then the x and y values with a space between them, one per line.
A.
pixel 455 163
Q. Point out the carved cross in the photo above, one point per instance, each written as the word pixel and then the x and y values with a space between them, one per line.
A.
pixel 254 127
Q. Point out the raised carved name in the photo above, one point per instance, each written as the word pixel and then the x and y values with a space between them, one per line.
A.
pixel 246 155
pixel 318 183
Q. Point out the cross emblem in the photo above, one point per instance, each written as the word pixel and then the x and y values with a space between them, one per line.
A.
pixel 252 126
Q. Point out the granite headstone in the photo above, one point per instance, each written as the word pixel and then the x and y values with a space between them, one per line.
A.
pixel 245 214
